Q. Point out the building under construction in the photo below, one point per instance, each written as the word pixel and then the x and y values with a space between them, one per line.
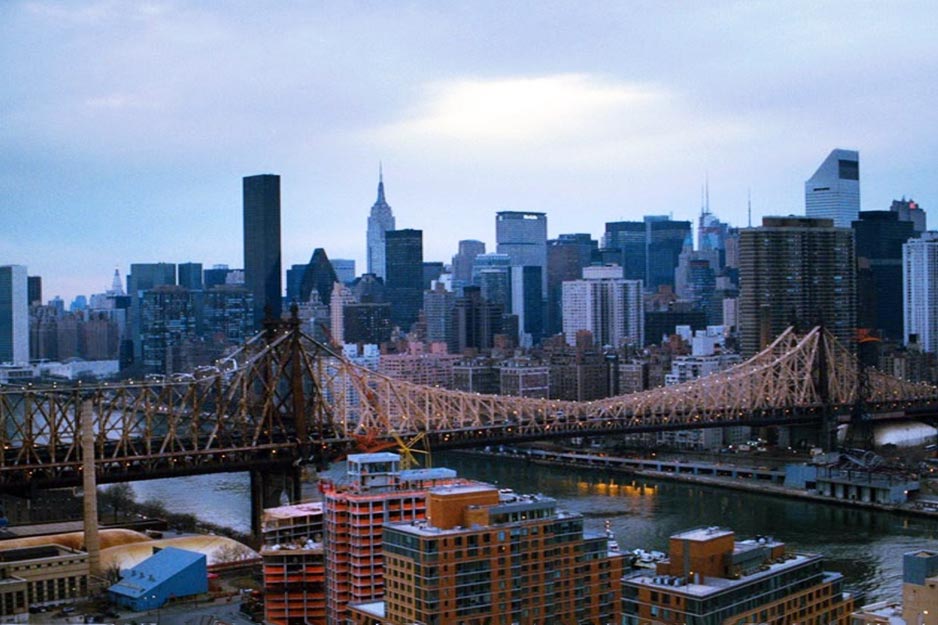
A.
pixel 294 565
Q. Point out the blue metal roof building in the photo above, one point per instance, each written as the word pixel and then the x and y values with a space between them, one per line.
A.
pixel 169 573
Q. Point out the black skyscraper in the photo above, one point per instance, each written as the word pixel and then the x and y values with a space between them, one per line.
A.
pixel 319 276
pixel 404 262
pixel 262 244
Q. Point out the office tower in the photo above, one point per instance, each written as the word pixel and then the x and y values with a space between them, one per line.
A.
pixel 527 303
pixel 476 321
pixel 833 192
pixel 795 271
pixel 879 237
pixel 464 260
pixel 294 565
pixel 484 556
pixel 920 291
pixel 438 304
pixel 567 255
pixel 523 237
pixel 79 304
pixel 710 578
pixel 262 245
pixel 294 281
pixel 319 276
pixel 369 289
pixel 909 210
pixel 432 270
pixel 190 276
pixel 375 491
pixel 605 304
pixel 145 276
pixel 365 323
pixel 630 239
pixel 695 280
pixel 14 315
pixel 404 283
pixel 34 290
pixel 344 269
pixel 380 221
pixel 216 276
pixel 665 241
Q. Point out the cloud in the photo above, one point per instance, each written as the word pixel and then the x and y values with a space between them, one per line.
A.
pixel 568 120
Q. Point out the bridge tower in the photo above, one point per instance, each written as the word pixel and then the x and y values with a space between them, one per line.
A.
pixel 827 437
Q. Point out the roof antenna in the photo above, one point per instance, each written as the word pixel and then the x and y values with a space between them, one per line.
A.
pixel 749 204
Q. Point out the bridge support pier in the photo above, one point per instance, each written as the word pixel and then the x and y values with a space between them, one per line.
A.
pixel 268 486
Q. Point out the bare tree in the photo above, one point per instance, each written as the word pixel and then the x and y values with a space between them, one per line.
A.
pixel 119 498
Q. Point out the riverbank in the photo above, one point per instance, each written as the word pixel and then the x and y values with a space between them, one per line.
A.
pixel 761 480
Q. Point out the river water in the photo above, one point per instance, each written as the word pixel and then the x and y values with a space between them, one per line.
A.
pixel 866 546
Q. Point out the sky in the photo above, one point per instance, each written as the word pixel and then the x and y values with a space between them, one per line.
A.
pixel 126 127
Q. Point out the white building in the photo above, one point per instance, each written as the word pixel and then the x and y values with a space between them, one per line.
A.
pixel 833 192
pixel 920 290
pixel 14 315
pixel 607 305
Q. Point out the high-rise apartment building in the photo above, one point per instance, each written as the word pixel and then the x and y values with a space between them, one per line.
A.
pixel 920 291
pixel 380 221
pixel 262 245
pixel 833 192
pixel 464 260
pixel 404 283
pixel 605 304
pixel 34 290
pixel 484 556
pixel 523 237
pixel 795 271
pixel 375 491
pixel 14 314
pixel 438 304
pixel 710 578
pixel 879 237
pixel 476 321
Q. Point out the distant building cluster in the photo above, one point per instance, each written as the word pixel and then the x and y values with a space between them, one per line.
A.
pixel 490 321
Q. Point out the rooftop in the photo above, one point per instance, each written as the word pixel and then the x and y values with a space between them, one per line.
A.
pixel 155 570
pixel 293 511
pixel 703 533
pixel 712 585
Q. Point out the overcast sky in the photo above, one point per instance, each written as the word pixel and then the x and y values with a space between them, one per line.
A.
pixel 125 127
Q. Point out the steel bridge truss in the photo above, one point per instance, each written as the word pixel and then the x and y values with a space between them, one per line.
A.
pixel 284 397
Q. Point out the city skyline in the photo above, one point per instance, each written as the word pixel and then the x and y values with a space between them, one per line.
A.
pixel 128 127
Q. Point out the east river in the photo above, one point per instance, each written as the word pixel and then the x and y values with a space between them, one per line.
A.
pixel 865 545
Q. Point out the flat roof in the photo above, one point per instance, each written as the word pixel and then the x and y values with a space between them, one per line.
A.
pixel 22 554
pixel 453 489
pixel 295 510
pixel 713 585
pixel 381 456
pixel 703 533
pixel 375 608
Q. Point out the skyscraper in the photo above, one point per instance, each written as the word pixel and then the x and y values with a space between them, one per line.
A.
pixel 404 261
pixel 190 276
pixel 464 259
pixel 319 276
pixel 605 304
pixel 909 210
pixel 262 244
pixel 523 236
pixel 567 255
pixel 920 291
pixel 833 192
pixel 380 221
pixel 527 302
pixel 795 270
pixel 665 240
pixel 14 315
pixel 344 269
pixel 879 237
pixel 630 238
